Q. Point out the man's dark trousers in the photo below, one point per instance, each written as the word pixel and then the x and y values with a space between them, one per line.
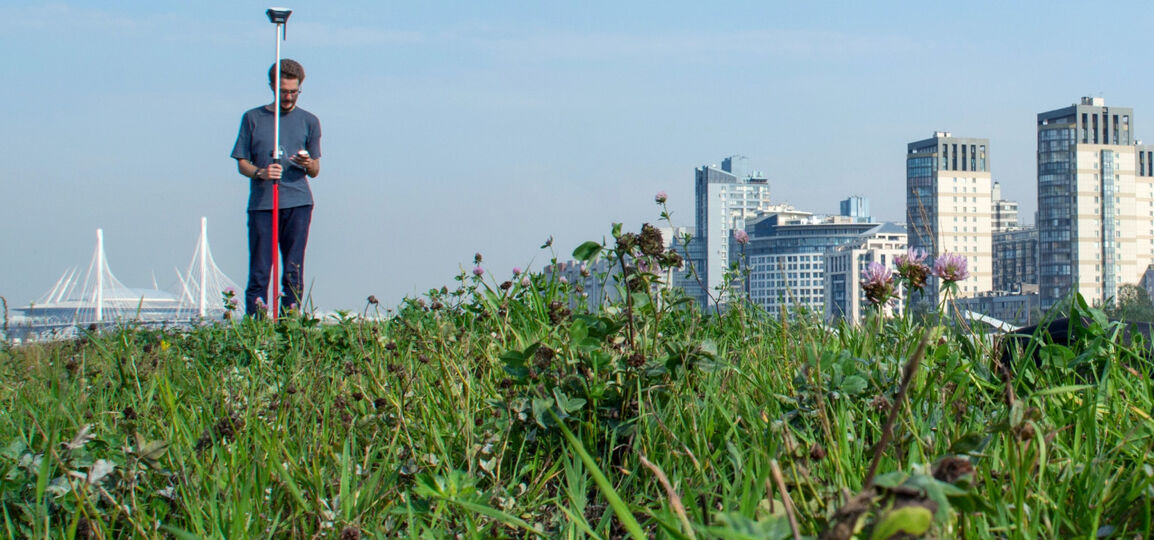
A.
pixel 293 235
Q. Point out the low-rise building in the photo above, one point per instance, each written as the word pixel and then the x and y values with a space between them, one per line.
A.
pixel 844 265
pixel 785 257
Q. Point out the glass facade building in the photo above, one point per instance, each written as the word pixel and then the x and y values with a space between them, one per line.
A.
pixel 725 198
pixel 1095 202
pixel 786 257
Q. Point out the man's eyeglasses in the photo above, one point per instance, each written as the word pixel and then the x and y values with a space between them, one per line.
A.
pixel 284 92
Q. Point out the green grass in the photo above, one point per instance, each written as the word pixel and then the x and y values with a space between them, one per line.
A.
pixel 493 411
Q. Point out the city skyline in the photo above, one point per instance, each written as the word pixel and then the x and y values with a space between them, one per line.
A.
pixel 453 130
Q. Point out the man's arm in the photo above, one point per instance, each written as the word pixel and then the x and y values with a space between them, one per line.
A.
pixel 248 170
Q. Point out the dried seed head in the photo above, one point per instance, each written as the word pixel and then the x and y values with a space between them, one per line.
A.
pixel 357 396
pixel 84 529
pixel 636 360
pixel 626 242
pixel 477 258
pixel 651 242
pixel 545 353
pixel 671 259
pixel 373 300
pixel 816 452
pixel 380 403
pixel 558 312
pixel 350 533
pixel 950 469
pixel 129 413
pixel 880 404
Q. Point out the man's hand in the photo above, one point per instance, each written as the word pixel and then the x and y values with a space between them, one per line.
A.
pixel 272 172
pixel 304 161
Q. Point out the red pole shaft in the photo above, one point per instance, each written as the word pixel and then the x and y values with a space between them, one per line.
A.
pixel 275 296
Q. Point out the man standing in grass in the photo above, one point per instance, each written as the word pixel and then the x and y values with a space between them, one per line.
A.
pixel 300 135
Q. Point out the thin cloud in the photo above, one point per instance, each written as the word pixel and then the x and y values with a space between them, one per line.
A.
pixel 62 17
pixel 66 19
pixel 799 45
pixel 325 35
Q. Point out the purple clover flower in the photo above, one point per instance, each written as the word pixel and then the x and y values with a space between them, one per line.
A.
pixel 741 237
pixel 516 271
pixel 878 283
pixel 912 268
pixel 912 256
pixel 951 267
pixel 661 197
pixel 478 271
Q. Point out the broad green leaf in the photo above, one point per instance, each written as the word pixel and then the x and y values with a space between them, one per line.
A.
pixel 578 329
pixel 969 443
pixel 853 385
pixel 890 479
pixel 912 520
pixel 970 502
pixel 586 344
pixel 541 410
pixel 587 251
pixel 565 403
pixel 14 449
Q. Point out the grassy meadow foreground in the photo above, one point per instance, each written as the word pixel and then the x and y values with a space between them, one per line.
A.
pixel 501 409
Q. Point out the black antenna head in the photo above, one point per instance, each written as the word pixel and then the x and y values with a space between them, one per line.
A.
pixel 278 15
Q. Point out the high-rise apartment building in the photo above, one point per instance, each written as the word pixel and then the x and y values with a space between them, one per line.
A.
pixel 1095 202
pixel 949 205
pixel 1005 213
pixel 1016 260
pixel 726 197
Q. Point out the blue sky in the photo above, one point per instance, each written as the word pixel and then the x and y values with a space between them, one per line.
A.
pixel 460 127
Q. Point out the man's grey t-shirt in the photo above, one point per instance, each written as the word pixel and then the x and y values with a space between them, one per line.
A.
pixel 299 129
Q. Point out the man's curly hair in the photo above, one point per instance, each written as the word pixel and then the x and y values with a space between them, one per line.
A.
pixel 289 69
